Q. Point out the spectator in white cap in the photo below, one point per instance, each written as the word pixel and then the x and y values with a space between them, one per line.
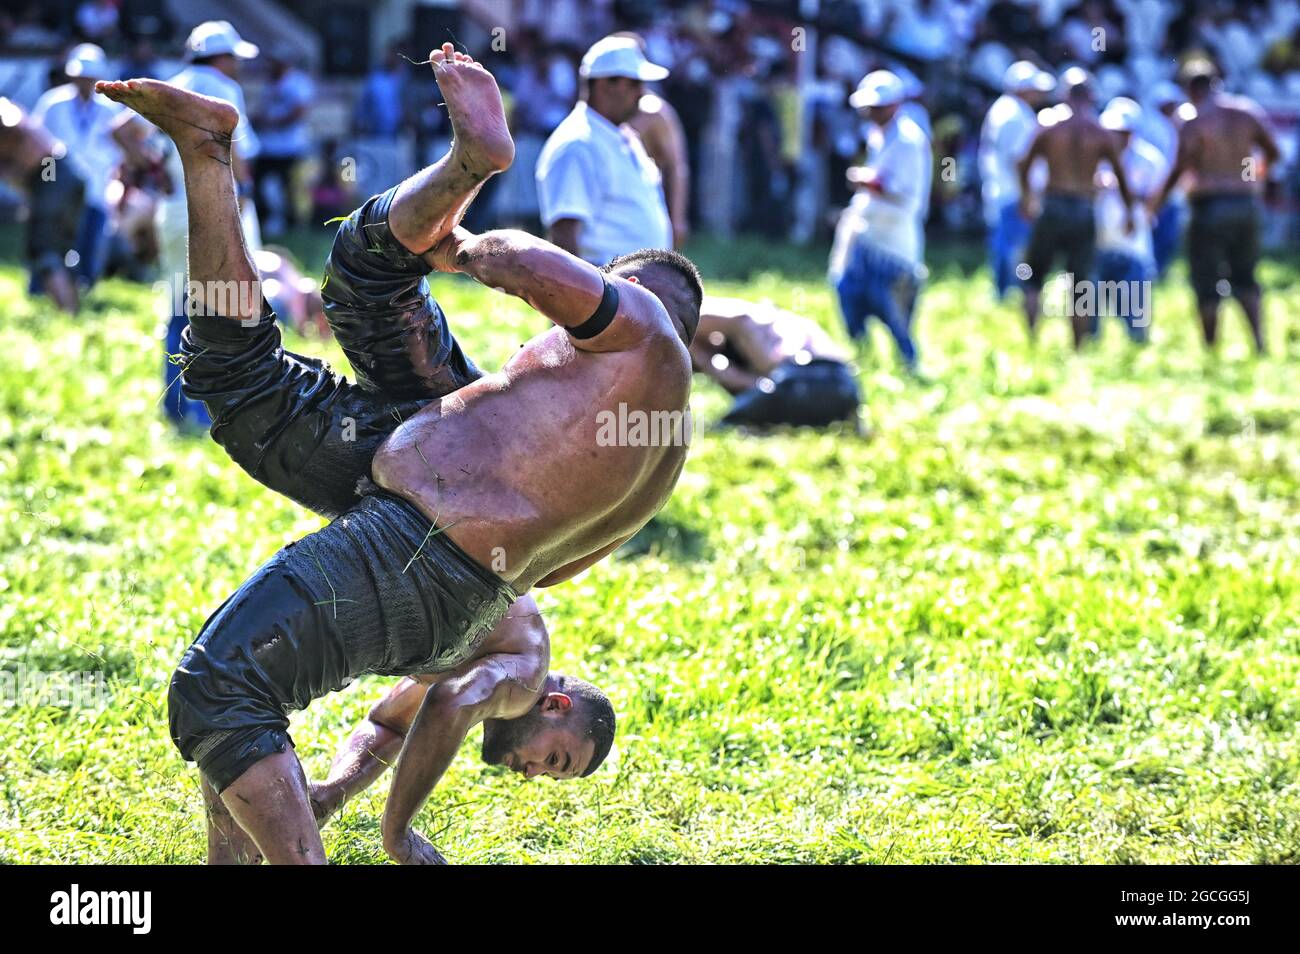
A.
pixel 83 121
pixel 600 193
pixel 1125 259
pixel 214 50
pixel 1160 126
pixel 1009 128
pixel 876 263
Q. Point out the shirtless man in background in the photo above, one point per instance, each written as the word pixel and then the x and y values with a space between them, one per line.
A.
pixel 1073 148
pixel 29 160
pixel 1219 147
pixel 660 129
pixel 505 472
pixel 781 367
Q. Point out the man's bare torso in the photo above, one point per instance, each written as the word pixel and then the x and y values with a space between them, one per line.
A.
pixel 1073 149
pixel 512 468
pixel 762 336
pixel 1220 142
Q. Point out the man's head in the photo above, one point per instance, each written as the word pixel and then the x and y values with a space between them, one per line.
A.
pixel 1199 77
pixel 1078 88
pixel 1027 81
pixel 566 734
pixel 86 64
pixel 669 276
pixel 218 44
pixel 615 72
pixel 1121 117
pixel 878 96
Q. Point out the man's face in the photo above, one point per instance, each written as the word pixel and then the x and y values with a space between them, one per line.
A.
pixel 540 743
pixel 671 291
pixel 622 97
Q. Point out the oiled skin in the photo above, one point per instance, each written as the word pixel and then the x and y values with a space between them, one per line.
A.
pixel 511 465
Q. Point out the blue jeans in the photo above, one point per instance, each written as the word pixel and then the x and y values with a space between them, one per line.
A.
pixel 1007 240
pixel 1133 301
pixel 1165 233
pixel 878 284
pixel 180 410
pixel 92 242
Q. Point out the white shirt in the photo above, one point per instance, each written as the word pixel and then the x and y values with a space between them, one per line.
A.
pixel 600 174
pixel 1145 169
pixel 85 127
pixel 291 91
pixel 899 154
pixel 210 81
pixel 1009 128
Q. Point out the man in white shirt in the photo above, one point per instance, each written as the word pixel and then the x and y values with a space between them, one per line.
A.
pixel 1009 127
pixel 284 138
pixel 600 193
pixel 214 50
pixel 1159 126
pixel 876 262
pixel 83 120
pixel 1125 259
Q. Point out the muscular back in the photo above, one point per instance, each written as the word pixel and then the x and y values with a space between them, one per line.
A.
pixel 1073 149
pixel 1219 144
pixel 541 469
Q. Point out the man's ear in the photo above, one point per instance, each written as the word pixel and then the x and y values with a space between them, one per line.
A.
pixel 633 279
pixel 556 702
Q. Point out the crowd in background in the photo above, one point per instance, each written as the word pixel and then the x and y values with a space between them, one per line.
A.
pixel 761 90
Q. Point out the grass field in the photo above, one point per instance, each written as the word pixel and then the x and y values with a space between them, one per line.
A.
pixel 1046 611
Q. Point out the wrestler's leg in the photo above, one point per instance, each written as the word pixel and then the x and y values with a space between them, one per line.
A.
pixel 201 128
pixel 228 844
pixel 431 203
pixel 374 289
pixel 270 801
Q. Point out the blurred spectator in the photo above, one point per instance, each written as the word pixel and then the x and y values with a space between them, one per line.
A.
pixel 285 140
pixel 97 20
pixel 1008 130
pixel 334 193
pixel 379 107
pixel 877 261
pixel 83 119
pixel 1125 255
pixel 30 161
pixel 601 195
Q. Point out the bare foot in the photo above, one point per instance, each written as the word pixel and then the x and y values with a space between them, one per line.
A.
pixel 482 143
pixel 192 121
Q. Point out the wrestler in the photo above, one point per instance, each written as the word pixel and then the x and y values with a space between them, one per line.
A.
pixel 400 584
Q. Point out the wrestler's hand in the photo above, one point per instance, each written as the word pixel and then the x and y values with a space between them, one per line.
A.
pixel 325 802
pixel 412 848
pixel 442 257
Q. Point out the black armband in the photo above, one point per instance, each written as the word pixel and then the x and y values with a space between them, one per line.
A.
pixel 602 316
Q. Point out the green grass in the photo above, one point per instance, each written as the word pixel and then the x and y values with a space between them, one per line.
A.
pixel 1046 611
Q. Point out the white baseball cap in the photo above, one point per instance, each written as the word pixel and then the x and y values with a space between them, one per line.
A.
pixel 215 38
pixel 619 56
pixel 1121 114
pixel 1024 77
pixel 878 88
pixel 87 61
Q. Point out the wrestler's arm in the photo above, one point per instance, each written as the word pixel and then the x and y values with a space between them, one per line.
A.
pixel 561 286
pixel 376 742
pixel 502 685
pixel 1183 161
pixel 1022 169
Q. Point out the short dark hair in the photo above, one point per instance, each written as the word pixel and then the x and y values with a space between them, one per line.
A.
pixel 675 261
pixel 596 711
